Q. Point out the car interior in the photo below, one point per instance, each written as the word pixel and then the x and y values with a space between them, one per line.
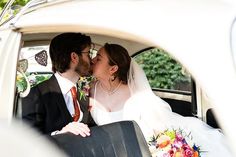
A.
pixel 34 66
pixel 34 60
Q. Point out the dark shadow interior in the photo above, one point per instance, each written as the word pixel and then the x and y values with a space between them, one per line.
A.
pixel 211 120
pixel 183 108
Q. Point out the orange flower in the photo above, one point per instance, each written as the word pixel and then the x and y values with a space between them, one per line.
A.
pixel 163 141
pixel 195 154
pixel 178 154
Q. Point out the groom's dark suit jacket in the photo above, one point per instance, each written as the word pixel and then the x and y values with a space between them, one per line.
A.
pixel 45 108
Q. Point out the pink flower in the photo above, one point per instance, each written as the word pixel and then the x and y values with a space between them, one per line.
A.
pixel 177 144
pixel 171 152
pixel 179 137
pixel 172 143
pixel 188 151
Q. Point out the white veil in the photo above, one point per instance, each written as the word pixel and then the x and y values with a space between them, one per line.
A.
pixel 137 80
pixel 147 109
pixel 154 115
pixel 138 84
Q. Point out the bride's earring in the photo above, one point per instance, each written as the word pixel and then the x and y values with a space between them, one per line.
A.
pixel 112 78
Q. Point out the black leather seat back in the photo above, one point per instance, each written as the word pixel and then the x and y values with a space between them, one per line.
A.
pixel 120 139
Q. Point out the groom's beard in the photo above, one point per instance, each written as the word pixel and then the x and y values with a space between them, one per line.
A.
pixel 83 68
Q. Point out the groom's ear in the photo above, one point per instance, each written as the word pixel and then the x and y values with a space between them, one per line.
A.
pixel 74 57
pixel 114 69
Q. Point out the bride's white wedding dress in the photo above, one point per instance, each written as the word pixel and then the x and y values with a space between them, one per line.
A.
pixel 154 115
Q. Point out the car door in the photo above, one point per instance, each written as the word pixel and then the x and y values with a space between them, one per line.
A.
pixel 10 41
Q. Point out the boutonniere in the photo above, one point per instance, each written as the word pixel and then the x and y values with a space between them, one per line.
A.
pixel 84 84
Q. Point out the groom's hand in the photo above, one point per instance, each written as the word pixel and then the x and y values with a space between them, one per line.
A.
pixel 76 128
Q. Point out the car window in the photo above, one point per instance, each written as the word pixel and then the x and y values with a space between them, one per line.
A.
pixel 169 80
pixel 8 9
pixel 38 58
pixel 35 67
pixel 162 71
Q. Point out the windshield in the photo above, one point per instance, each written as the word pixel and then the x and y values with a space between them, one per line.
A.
pixel 9 9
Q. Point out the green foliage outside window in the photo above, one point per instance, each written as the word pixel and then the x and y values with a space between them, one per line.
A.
pixel 162 71
pixel 17 2
pixel 14 9
pixel 34 79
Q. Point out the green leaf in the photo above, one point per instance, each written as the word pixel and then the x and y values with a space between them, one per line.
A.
pixel 162 71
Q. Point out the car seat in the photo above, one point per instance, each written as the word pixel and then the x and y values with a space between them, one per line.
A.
pixel 120 139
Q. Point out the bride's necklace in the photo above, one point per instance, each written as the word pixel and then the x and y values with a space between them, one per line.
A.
pixel 110 92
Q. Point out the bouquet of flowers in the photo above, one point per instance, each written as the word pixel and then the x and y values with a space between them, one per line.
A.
pixel 173 143
pixel 84 85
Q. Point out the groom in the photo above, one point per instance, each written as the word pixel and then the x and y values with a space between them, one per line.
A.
pixel 52 106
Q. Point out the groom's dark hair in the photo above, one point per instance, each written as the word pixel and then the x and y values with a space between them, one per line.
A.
pixel 119 56
pixel 63 45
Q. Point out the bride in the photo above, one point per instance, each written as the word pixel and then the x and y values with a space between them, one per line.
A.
pixel 122 92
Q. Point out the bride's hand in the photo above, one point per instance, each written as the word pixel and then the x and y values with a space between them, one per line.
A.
pixel 76 128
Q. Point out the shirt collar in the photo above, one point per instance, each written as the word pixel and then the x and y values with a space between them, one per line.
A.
pixel 64 83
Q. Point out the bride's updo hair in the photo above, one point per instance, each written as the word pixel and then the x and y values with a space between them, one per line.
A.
pixel 119 56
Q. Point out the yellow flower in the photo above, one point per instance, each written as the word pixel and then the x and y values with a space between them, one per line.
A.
pixel 18 77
